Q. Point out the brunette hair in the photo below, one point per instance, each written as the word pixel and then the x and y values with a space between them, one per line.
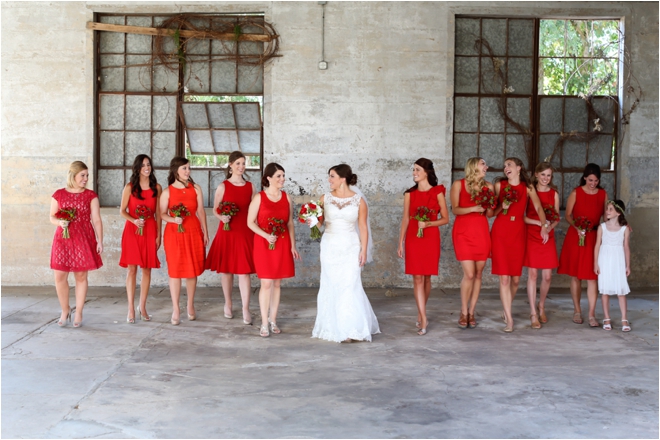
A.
pixel 430 173
pixel 524 177
pixel 270 171
pixel 344 171
pixel 74 169
pixel 175 163
pixel 136 189
pixel 233 157
pixel 620 208
pixel 474 183
pixel 590 169
pixel 540 167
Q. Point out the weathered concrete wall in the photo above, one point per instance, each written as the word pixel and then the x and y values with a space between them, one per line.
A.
pixel 385 100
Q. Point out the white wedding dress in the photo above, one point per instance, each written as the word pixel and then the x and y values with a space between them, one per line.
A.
pixel 344 310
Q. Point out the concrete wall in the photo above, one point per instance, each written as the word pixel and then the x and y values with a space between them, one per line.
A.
pixel 385 100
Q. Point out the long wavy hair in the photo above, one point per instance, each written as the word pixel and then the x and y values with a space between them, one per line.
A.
pixel 175 163
pixel 474 182
pixel 427 165
pixel 136 190
pixel 524 175
pixel 590 169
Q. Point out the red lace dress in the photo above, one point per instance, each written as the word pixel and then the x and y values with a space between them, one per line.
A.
pixel 277 263
pixel 537 254
pixel 77 253
pixel 140 250
pixel 423 253
pixel 508 234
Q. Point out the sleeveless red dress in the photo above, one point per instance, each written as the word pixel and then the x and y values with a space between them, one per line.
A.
pixel 231 251
pixel 277 263
pixel 537 254
pixel 578 261
pixel 423 253
pixel 140 250
pixel 184 251
pixel 470 232
pixel 508 234
pixel 77 253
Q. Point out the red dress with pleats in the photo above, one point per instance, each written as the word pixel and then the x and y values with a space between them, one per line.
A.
pixel 231 251
pixel 140 250
pixel 184 251
pixel 423 253
pixel 77 253
pixel 470 232
pixel 578 261
pixel 277 263
pixel 508 235
pixel 537 254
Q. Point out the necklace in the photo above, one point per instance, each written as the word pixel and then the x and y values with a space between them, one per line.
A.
pixel 275 197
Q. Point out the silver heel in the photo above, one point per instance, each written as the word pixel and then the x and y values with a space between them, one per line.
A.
pixel 143 317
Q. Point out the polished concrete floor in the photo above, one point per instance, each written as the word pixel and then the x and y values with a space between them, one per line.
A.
pixel 216 378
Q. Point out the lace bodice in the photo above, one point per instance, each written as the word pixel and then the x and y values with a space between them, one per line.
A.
pixel 612 238
pixel 341 214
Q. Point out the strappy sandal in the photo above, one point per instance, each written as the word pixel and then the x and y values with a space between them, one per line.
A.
pixel 593 323
pixel 472 323
pixel 263 331
pixel 421 331
pixel 535 321
pixel 607 324
pixel 542 317
pixel 625 327
pixel 274 328
pixel 463 321
pixel 577 318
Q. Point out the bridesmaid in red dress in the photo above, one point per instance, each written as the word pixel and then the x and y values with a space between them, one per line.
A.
pixel 185 250
pixel 272 264
pixel 470 235
pixel 508 235
pixel 422 255
pixel 588 200
pixel 140 249
pixel 537 254
pixel 81 252
pixel 231 250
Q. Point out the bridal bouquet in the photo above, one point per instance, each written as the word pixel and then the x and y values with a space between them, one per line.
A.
pixel 314 211
pixel 510 196
pixel 142 212
pixel 551 215
pixel 484 198
pixel 179 210
pixel 422 214
pixel 584 225
pixel 227 208
pixel 275 226
pixel 66 214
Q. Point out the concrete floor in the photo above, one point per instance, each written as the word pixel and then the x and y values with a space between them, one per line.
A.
pixel 216 378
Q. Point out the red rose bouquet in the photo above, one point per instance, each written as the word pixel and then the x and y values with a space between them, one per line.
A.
pixel 551 215
pixel 66 214
pixel 227 208
pixel 275 226
pixel 422 214
pixel 142 212
pixel 179 210
pixel 510 196
pixel 584 225
pixel 484 198
pixel 314 211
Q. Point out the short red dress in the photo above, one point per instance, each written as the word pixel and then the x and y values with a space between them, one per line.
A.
pixel 508 235
pixel 140 250
pixel 277 263
pixel 184 251
pixel 77 253
pixel 231 251
pixel 423 253
pixel 578 261
pixel 470 233
pixel 537 254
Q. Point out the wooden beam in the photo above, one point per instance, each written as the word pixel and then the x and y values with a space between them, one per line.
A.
pixel 170 32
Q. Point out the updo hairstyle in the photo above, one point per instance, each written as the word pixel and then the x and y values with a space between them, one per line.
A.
pixel 345 172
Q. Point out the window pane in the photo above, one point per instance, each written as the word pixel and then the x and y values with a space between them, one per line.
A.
pixel 250 79
pixel 520 73
pixel 138 78
pixel 112 112
pixel 112 148
pixel 221 115
pixel 491 81
pixel 551 38
pixel 136 43
pixel 138 112
pixel 571 181
pixel 491 148
pixel 494 31
pixel 196 46
pixel 197 74
pixel 575 115
pixel 195 115
pixel 137 142
pixel 111 42
pixel 601 150
pixel 465 147
pixel 165 80
pixel 223 79
pixel 164 113
pixel 546 148
pixel 161 176
pixel 110 185
pixel 200 141
pixel 201 178
pixel 466 114
pixel 225 140
pixel 467 31
pixel 606 109
pixel 551 76
pixel 574 154
pixel 521 37
pixel 112 76
pixel 519 110
pixel 515 147
pixel 466 75
pixel 247 115
pixel 607 182
pixel 490 119
pixel 250 141
pixel 551 115
pixel 164 148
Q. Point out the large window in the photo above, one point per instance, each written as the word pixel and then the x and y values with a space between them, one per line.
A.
pixel 537 90
pixel 202 104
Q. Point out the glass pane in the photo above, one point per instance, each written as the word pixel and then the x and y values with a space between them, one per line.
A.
pixel 607 182
pixel 137 142
pixel 217 177
pixel 467 31
pixel 138 112
pixel 221 115
pixel 571 181
pixel 490 118
pixel 250 79
pixel 465 147
pixel 551 115
pixel 466 114
pixel 551 76
pixel 606 109
pixel 519 109
pixel 111 42
pixel 136 43
pixel 161 176
pixel 197 74
pixel 112 112
pixel 223 77
pixel 225 141
pixel 164 113
pixel 250 141
pixel 574 154
pixel 201 178
pixel 546 147
pixel 575 115
pixel 250 48
pixel 491 82
pixel 110 185
pixel 164 148
pixel 112 78
pixel 491 148
pixel 220 47
pixel 551 38
pixel 195 115
pixel 166 80
pixel 200 141
pixel 198 47
pixel 603 78
pixel 515 147
pixel 494 32
pixel 520 75
pixel 247 115
pixel 466 75
pixel 521 37
pixel 601 151
pixel 111 148
pixel 138 78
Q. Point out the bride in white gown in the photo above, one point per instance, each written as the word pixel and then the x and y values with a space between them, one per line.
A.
pixel 344 312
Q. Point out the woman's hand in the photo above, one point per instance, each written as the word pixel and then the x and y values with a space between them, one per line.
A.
pixel 312 221
pixel 506 204
pixel 206 239
pixel 362 259
pixel 399 251
pixel 138 222
pixel 596 268
pixel 99 248
pixel 158 242
pixel 544 234
pixel 423 225
pixel 271 238
pixel 294 252
pixel 178 220
pixel 63 224
pixel 478 208
pixel 225 218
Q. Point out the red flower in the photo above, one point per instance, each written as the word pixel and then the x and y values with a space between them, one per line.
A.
pixel 179 210
pixel 66 214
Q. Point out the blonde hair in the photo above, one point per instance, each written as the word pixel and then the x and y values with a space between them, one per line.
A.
pixel 472 178
pixel 74 169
